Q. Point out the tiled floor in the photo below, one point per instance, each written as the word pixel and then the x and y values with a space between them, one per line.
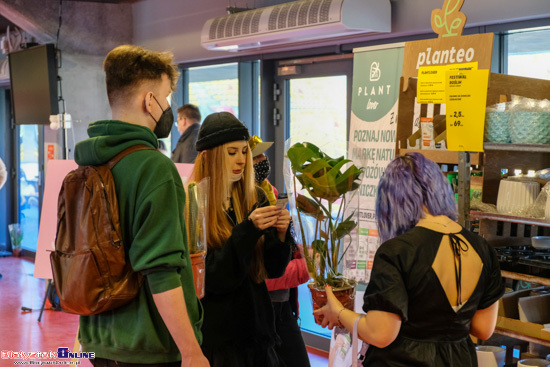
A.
pixel 21 332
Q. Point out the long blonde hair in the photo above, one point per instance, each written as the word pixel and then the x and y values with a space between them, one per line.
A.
pixel 244 197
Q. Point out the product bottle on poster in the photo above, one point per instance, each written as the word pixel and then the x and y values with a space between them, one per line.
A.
pixel 427 128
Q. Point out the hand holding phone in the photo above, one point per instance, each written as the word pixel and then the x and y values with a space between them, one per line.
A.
pixel 282 201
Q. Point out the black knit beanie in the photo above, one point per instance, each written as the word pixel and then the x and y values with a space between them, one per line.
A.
pixel 220 128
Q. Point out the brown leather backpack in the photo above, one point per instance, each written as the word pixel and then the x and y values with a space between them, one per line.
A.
pixel 90 269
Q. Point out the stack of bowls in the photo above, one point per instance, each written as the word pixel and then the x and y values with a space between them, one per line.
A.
pixel 530 127
pixel 496 127
pixel 516 195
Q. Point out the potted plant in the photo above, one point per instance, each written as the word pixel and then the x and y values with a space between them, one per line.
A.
pixel 327 188
pixel 16 237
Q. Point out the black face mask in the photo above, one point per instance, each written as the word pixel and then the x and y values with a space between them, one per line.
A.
pixel 165 122
pixel 261 170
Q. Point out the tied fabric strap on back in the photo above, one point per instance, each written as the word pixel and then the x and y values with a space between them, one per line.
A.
pixel 458 246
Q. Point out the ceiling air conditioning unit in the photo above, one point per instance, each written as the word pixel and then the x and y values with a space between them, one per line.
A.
pixel 297 21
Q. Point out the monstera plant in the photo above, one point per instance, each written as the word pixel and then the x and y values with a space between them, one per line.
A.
pixel 327 187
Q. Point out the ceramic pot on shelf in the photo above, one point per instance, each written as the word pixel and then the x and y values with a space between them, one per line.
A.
pixel 516 195
pixel 533 362
pixel 490 356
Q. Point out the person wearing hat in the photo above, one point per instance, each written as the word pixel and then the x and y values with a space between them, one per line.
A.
pixel 262 167
pixel 248 241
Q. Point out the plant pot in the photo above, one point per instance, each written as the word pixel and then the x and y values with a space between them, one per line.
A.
pixel 16 252
pixel 199 271
pixel 346 295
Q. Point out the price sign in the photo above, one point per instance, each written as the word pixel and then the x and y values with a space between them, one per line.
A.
pixel 431 81
pixel 431 84
pixel 466 93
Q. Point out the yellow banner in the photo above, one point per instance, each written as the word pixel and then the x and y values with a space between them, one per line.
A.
pixel 466 92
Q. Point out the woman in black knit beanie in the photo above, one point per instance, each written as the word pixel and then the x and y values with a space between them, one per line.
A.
pixel 248 241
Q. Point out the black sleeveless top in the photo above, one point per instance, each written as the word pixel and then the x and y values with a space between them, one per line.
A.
pixel 403 282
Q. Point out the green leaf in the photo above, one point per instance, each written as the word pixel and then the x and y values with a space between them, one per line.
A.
pixel 343 229
pixel 309 207
pixel 322 177
pixel 347 181
pixel 318 167
pixel 319 246
pixel 300 153
pixel 320 187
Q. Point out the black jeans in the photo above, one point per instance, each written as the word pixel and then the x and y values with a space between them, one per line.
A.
pixel 101 362
pixel 292 349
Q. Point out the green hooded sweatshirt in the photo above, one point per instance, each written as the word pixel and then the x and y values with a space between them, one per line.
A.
pixel 151 201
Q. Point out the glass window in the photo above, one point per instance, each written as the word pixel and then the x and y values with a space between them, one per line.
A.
pixel 29 182
pixel 529 53
pixel 215 88
pixel 318 115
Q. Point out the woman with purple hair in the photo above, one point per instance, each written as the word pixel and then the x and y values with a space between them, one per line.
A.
pixel 433 283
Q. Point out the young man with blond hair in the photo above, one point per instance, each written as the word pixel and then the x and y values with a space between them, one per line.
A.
pixel 162 325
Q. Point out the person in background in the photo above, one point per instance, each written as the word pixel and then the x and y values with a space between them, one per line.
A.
pixel 433 283
pixel 161 326
pixel 248 241
pixel 283 291
pixel 262 168
pixel 162 147
pixel 189 120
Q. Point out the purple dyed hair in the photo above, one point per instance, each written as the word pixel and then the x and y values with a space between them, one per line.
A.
pixel 409 183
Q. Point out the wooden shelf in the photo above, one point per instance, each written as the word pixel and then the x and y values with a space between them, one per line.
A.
pixel 525 277
pixel 498 229
pixel 510 218
pixel 521 336
pixel 442 156
pixel 526 331
pixel 534 148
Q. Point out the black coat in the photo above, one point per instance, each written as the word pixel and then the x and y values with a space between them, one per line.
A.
pixel 185 151
pixel 238 310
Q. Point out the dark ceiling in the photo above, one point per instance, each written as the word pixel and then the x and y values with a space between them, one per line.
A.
pixel 106 1
pixel 527 42
pixel 4 23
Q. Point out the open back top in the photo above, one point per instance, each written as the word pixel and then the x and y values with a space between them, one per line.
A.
pixel 435 278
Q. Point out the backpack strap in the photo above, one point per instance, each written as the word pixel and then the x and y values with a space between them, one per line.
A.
pixel 125 152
